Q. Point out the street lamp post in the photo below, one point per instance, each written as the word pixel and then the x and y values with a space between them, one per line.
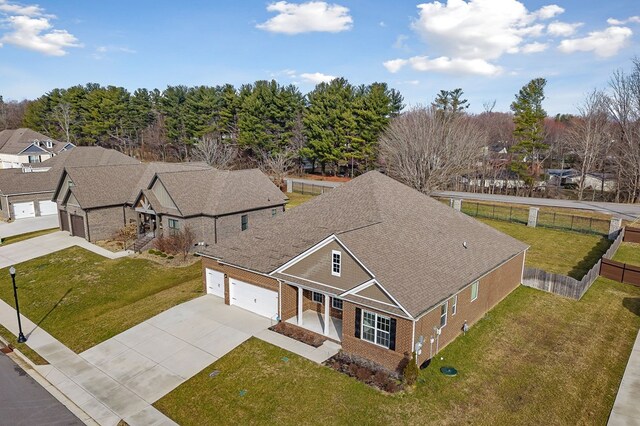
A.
pixel 21 338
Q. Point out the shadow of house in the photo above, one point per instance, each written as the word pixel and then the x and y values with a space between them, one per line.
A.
pixel 632 304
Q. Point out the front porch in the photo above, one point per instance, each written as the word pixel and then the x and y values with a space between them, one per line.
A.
pixel 315 321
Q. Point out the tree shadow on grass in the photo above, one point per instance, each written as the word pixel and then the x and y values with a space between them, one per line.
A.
pixel 50 310
pixel 596 252
pixel 632 304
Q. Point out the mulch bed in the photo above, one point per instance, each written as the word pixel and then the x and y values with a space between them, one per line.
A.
pixel 366 372
pixel 299 334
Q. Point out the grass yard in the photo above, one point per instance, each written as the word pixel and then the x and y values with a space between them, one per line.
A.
pixel 534 359
pixel 628 253
pixel 562 252
pixel 22 347
pixel 22 237
pixel 295 199
pixel 83 299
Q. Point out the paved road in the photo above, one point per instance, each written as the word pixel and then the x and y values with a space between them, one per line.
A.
pixel 625 211
pixel 24 402
pixel 22 226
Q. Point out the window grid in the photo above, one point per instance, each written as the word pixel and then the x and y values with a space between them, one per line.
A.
pixel 474 291
pixel 454 305
pixel 336 303
pixel 244 222
pixel 376 328
pixel 317 297
pixel 443 314
pixel 336 265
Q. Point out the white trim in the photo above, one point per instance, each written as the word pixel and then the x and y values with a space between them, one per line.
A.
pixel 304 254
pixel 375 329
pixel 333 253
pixel 333 299
pixel 477 284
pixel 371 274
pixel 322 296
pixel 29 146
pixel 524 256
pixel 359 287
pixel 374 300
pixel 311 281
pixel 454 305
pixel 446 314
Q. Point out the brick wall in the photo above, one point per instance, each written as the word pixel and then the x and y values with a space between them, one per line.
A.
pixel 69 210
pixel 393 360
pixel 289 302
pixel 104 223
pixel 494 287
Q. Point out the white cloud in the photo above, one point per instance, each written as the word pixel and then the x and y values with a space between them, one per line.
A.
pixel 603 43
pixel 400 42
pixel 37 34
pixel 307 17
pixel 18 9
pixel 102 51
pixel 445 65
pixel 548 12
pixel 316 77
pixel 30 28
pixel 534 47
pixel 562 29
pixel 629 20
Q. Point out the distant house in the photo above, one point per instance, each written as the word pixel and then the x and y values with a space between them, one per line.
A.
pixel 373 265
pixel 25 146
pixel 606 182
pixel 161 198
pixel 28 191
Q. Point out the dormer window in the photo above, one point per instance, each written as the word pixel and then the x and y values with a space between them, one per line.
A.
pixel 36 142
pixel 336 263
pixel 49 144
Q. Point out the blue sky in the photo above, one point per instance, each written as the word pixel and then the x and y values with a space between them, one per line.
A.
pixel 489 48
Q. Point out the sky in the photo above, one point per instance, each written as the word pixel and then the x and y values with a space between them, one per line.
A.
pixel 489 48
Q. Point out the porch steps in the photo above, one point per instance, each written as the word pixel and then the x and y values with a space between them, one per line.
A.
pixel 143 243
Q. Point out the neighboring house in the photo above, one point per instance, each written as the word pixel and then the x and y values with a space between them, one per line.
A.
pixel 215 204
pixel 25 146
pixel 95 202
pixel 372 264
pixel 606 182
pixel 28 191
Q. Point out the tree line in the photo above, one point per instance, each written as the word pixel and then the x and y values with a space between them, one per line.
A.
pixel 334 123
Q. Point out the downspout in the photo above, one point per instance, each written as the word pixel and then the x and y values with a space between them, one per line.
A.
pixel 215 229
pixel 86 214
pixel 124 215
pixel 413 339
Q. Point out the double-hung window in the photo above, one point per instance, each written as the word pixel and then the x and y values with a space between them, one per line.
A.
pixel 317 297
pixel 474 291
pixel 454 305
pixel 336 303
pixel 376 328
pixel 174 226
pixel 443 314
pixel 336 263
pixel 244 222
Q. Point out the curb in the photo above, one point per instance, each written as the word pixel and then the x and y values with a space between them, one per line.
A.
pixel 30 368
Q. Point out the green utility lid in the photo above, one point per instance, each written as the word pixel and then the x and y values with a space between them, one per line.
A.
pixel 449 371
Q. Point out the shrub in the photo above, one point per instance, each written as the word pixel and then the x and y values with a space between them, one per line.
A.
pixel 151 251
pixel 410 372
pixel 163 254
pixel 169 257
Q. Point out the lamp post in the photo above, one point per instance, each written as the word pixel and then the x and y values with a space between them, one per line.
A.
pixel 21 338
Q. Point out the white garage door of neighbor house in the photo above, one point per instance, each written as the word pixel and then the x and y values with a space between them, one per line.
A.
pixel 22 210
pixel 253 298
pixel 215 283
pixel 47 208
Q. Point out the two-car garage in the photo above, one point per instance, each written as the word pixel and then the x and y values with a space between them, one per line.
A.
pixel 28 209
pixel 254 298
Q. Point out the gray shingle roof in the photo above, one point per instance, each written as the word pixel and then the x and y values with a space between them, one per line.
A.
pixel 14 141
pixel 219 192
pixel 15 181
pixel 412 243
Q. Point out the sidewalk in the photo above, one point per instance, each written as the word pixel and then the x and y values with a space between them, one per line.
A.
pixel 626 410
pixel 92 390
pixel 22 251
pixel 319 354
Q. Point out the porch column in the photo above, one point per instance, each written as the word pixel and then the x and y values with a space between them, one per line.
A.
pixel 327 301
pixel 300 297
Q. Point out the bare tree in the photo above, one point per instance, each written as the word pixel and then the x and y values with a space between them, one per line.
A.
pixel 426 150
pixel 278 165
pixel 214 152
pixel 590 134
pixel 62 115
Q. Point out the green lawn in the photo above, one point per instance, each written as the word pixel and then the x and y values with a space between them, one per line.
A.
pixel 534 359
pixel 83 299
pixel 22 347
pixel 22 237
pixel 628 253
pixel 562 252
pixel 295 199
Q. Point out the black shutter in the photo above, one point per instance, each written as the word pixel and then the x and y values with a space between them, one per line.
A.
pixel 392 334
pixel 358 319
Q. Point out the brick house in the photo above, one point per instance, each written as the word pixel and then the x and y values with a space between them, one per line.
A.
pixel 373 265
pixel 28 191
pixel 95 202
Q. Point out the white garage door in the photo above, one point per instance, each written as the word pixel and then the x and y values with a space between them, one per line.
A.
pixel 22 210
pixel 47 208
pixel 215 282
pixel 253 298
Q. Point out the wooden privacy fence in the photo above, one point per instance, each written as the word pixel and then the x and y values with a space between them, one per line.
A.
pixel 568 286
pixel 632 235
pixel 620 272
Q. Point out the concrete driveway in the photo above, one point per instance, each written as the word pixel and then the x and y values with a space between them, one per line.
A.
pixel 22 226
pixel 154 357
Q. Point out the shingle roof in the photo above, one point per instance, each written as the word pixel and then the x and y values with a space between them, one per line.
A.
pixel 412 243
pixel 15 181
pixel 111 185
pixel 15 141
pixel 218 192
